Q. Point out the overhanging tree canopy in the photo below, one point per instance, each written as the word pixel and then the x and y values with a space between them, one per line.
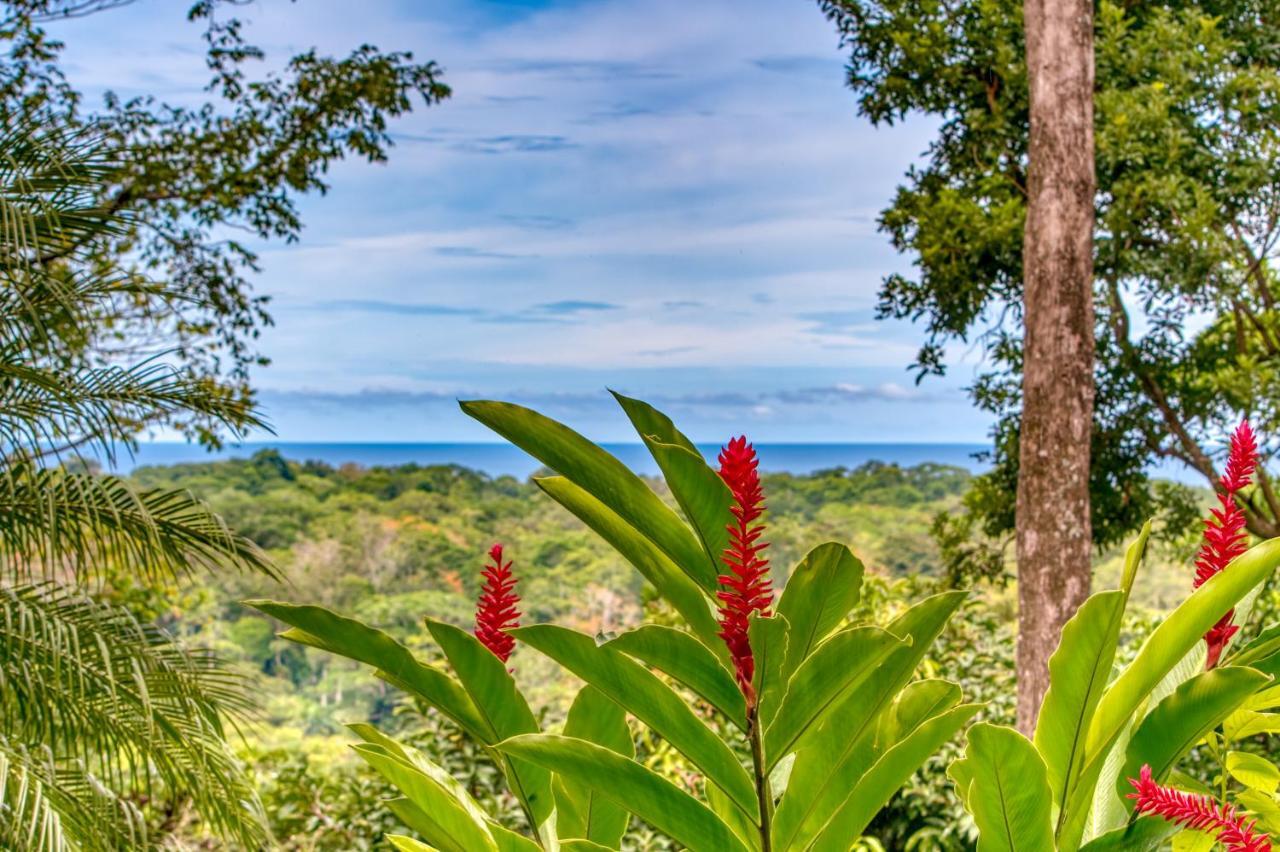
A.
pixel 1188 218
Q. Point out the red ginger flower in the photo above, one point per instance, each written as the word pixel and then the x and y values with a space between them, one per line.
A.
pixel 1224 534
pixel 1233 831
pixel 746 585
pixel 496 611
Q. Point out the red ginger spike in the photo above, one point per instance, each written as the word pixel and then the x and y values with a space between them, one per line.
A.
pixel 1224 533
pixel 745 584
pixel 1233 831
pixel 496 611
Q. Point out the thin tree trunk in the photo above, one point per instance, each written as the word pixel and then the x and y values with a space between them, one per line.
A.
pixel 1054 541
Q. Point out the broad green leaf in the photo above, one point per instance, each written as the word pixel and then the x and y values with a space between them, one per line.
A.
pixel 320 628
pixel 601 475
pixel 1265 644
pixel 873 790
pixel 654 565
pixel 1145 834
pixel 1249 723
pixel 748 832
pixel 839 745
pixel 768 637
pixel 577 844
pixel 509 841
pixel 1190 840
pixel 818 595
pixel 1183 718
pixel 646 794
pixel 702 494
pixel 1263 807
pixel 580 811
pixel 684 658
pixel 1078 672
pixel 839 665
pixel 1253 771
pixel 1174 637
pixel 826 772
pixel 1165 648
pixel 493 692
pixel 456 828
pixel 1009 797
pixel 651 701
pixel 648 420
pixel 961 774
pixel 408 844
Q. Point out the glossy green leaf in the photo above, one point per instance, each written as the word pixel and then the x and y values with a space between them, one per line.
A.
pixel 843 752
pixel 873 790
pixel 655 566
pixel 818 595
pixel 731 815
pixel 1253 771
pixel 646 794
pixel 768 638
pixel 651 701
pixel 320 628
pixel 1009 796
pixel 408 844
pixel 1078 674
pixel 1164 649
pixel 456 827
pixel 1263 807
pixel 580 811
pixel 702 494
pixel 577 844
pixel 839 665
pixel 1183 718
pixel 1146 834
pixel 688 661
pixel 493 692
pixel 601 475
pixel 838 747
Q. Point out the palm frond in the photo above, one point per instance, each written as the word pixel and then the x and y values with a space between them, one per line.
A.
pixel 115 705
pixel 53 520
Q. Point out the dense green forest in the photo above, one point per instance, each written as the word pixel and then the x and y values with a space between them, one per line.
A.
pixel 392 545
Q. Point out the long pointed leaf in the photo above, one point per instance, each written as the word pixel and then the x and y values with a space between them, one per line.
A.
pixel 646 794
pixel 684 658
pixel 493 692
pixel 1009 795
pixel 654 565
pixel 818 595
pixel 651 701
pixel 346 637
pixel 601 475
pixel 581 812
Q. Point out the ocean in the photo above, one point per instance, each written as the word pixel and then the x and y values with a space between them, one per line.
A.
pixel 504 459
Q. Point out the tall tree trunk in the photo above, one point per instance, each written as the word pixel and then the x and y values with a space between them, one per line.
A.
pixel 1054 541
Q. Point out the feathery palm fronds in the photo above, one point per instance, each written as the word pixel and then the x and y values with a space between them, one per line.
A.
pixel 98 712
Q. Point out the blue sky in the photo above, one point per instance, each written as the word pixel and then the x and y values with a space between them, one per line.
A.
pixel 673 199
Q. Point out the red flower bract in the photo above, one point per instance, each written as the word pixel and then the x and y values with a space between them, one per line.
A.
pixel 496 609
pixel 745 584
pixel 1224 534
pixel 1233 831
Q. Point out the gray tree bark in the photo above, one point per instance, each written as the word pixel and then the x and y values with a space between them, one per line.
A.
pixel 1053 529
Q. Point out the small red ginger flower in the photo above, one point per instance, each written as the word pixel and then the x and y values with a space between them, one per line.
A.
pixel 746 585
pixel 1233 831
pixel 1224 533
pixel 496 611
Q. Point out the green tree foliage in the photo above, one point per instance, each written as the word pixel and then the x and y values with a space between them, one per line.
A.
pixel 186 173
pixel 1188 168
pixel 97 709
